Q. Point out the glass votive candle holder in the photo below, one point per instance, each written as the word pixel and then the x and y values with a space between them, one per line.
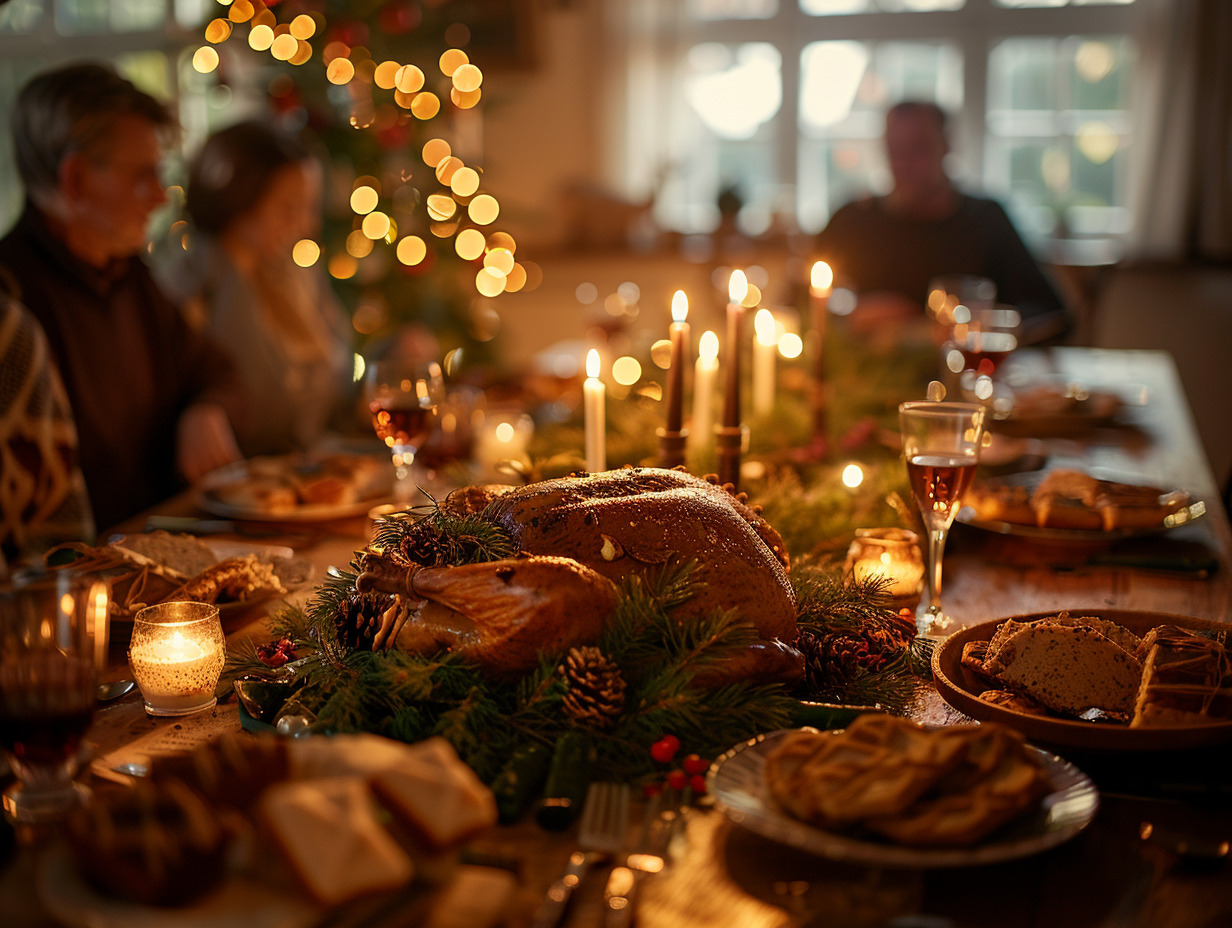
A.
pixel 502 435
pixel 892 554
pixel 177 654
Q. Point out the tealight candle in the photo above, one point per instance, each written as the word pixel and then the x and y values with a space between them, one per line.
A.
pixel 892 554
pixel 504 436
pixel 765 347
pixel 705 372
pixel 177 655
pixel 594 397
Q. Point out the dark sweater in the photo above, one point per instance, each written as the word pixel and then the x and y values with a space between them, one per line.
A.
pixel 873 250
pixel 129 363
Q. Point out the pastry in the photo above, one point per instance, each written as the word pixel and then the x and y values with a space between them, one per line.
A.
pixel 158 843
pixel 1186 680
pixel 892 778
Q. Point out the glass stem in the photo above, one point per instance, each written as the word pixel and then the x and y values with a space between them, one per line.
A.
pixel 403 457
pixel 936 551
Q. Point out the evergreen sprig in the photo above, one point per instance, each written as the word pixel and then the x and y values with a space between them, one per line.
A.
pixel 467 539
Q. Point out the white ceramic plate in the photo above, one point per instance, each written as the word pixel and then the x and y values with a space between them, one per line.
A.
pixel 738 786
pixel 206 498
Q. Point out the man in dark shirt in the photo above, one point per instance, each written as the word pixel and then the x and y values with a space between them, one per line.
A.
pixel 152 400
pixel 888 248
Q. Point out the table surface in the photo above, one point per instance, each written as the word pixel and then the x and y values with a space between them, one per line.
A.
pixel 723 874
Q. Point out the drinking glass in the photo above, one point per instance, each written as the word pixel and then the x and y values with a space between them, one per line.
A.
pixel 980 343
pixel 52 638
pixel 941 443
pixel 949 291
pixel 404 398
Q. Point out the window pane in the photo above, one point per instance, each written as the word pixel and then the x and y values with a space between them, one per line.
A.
pixel 833 7
pixel 193 13
pixel 734 90
pixel 707 10
pixel 1099 73
pixel 20 16
pixel 138 15
pixel 845 89
pixel 1022 75
pixel 82 17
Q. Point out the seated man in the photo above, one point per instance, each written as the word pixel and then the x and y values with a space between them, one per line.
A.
pixel 888 248
pixel 151 398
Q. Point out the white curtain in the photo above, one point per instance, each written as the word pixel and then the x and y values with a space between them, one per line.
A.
pixel 1183 186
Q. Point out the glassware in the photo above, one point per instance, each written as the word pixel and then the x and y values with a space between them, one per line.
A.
pixel 949 291
pixel 941 444
pixel 177 655
pixel 404 398
pixel 53 635
pixel 981 341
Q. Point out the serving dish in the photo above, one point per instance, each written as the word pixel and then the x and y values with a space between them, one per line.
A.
pixel 736 781
pixel 960 687
pixel 211 494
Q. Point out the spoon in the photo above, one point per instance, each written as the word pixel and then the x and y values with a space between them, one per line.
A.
pixel 114 690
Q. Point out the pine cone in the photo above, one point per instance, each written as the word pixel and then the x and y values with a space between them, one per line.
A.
pixel 358 616
pixel 836 659
pixel 423 545
pixel 596 694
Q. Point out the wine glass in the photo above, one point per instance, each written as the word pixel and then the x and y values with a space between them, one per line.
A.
pixel 981 341
pixel 941 443
pixel 52 638
pixel 404 397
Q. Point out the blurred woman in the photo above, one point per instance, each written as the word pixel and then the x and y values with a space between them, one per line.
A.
pixel 252 193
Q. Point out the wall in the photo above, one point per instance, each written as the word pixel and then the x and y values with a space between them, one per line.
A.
pixel 542 125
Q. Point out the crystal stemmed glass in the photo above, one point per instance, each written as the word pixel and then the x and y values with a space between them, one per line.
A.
pixel 404 398
pixel 52 638
pixel 941 443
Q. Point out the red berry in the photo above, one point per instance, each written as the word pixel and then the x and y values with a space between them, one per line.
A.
pixel 665 749
pixel 677 779
pixel 650 790
pixel 694 764
pixel 697 783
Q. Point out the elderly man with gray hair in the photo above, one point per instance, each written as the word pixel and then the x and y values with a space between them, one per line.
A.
pixel 153 400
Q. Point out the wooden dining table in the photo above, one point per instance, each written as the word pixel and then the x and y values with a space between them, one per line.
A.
pixel 720 873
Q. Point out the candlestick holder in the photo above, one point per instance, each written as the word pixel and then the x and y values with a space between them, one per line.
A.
pixel 729 442
pixel 177 654
pixel 672 446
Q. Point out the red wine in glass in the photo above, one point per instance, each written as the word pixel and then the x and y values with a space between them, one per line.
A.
pixel 46 707
pixel 401 424
pixel 984 352
pixel 938 482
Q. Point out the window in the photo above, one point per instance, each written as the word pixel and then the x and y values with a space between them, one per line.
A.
pixel 780 102
pixel 145 39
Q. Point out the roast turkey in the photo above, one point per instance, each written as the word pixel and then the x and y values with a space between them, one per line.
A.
pixel 577 537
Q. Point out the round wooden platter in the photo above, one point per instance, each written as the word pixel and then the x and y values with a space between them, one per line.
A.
pixel 960 687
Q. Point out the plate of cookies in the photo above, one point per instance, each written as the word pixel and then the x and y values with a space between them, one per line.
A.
pixel 887 792
pixel 296 488
pixel 1065 504
pixel 1107 679
pixel 263 831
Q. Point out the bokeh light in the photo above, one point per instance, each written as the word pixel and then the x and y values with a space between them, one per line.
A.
pixel 305 252
pixel 626 371
pixel 484 209
pixel 412 250
pixel 469 244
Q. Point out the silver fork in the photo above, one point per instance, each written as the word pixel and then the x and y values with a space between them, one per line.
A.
pixel 601 833
pixel 665 817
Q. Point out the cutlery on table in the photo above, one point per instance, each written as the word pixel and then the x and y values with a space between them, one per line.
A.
pixel 664 819
pixel 601 833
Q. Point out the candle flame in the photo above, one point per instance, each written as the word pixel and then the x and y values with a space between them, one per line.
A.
pixel 592 363
pixel 821 278
pixel 765 327
pixel 680 306
pixel 737 287
pixel 853 476
pixel 708 346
